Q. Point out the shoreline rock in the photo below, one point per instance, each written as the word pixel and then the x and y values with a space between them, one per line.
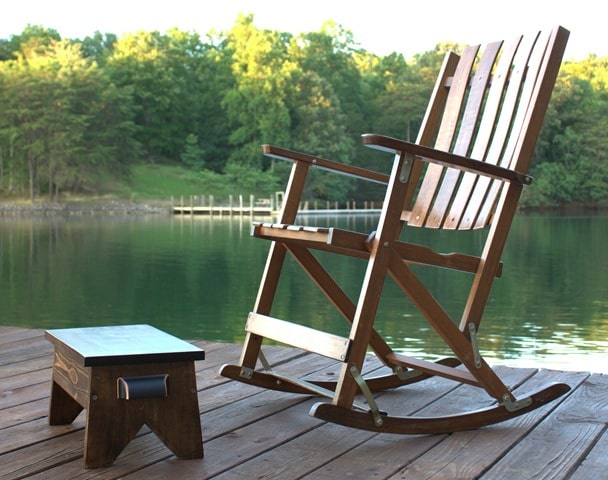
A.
pixel 82 209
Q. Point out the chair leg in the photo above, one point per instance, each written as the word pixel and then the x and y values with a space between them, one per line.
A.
pixel 274 262
pixel 263 304
pixel 362 327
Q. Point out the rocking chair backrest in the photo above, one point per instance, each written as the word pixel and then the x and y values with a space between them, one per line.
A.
pixel 491 108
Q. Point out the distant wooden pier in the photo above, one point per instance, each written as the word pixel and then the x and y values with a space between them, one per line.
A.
pixel 249 432
pixel 208 205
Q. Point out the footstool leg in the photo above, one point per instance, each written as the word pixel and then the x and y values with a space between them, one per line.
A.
pixel 63 409
pixel 110 428
pixel 176 418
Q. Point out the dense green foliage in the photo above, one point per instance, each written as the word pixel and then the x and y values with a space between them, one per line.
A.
pixel 77 112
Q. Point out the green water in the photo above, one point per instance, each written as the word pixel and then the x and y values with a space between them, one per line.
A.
pixel 197 278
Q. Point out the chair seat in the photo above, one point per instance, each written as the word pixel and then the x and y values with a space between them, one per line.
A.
pixel 357 244
pixel 321 238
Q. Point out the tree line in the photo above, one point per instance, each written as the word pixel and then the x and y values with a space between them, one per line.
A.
pixel 76 114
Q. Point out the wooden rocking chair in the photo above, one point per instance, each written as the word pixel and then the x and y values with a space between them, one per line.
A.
pixel 466 171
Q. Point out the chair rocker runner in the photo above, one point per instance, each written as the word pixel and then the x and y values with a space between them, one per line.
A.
pixel 466 171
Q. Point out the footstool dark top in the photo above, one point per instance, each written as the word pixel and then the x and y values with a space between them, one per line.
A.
pixel 117 344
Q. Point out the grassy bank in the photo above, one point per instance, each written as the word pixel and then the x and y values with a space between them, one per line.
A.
pixel 155 184
pixel 162 182
pixel 151 188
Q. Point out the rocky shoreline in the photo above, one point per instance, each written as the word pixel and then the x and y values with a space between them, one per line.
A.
pixel 82 209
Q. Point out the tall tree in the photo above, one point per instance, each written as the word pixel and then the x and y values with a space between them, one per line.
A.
pixel 255 106
pixel 571 163
pixel 54 101
pixel 139 61
pixel 330 53
pixel 201 72
pixel 98 47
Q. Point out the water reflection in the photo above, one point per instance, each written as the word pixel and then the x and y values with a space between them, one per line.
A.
pixel 198 277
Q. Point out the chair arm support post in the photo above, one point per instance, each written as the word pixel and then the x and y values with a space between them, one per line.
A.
pixel 447 159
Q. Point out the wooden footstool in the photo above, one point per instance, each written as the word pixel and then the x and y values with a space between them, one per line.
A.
pixel 125 377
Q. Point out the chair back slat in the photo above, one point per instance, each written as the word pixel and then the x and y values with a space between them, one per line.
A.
pixel 466 133
pixel 431 119
pixel 477 213
pixel 445 135
pixel 484 135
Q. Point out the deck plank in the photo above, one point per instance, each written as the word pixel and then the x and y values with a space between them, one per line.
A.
pixel 563 440
pixel 594 464
pixel 24 412
pixel 15 352
pixel 329 443
pixel 43 458
pixel 469 454
pixel 399 451
pixel 254 433
pixel 24 366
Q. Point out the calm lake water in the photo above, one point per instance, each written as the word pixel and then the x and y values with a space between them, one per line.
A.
pixel 197 278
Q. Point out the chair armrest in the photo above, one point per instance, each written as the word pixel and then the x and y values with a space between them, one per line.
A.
pixel 331 165
pixel 447 159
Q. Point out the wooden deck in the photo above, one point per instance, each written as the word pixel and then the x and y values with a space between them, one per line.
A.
pixel 252 433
